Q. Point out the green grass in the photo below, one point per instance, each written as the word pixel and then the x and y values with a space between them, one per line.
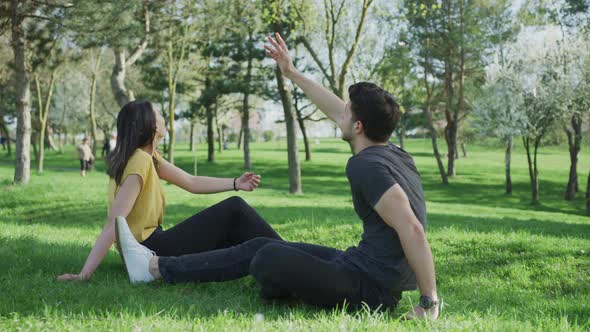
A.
pixel 502 264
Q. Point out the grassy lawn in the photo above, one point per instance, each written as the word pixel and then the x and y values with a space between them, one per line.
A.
pixel 502 264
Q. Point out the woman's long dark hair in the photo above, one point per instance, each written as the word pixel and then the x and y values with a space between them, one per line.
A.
pixel 136 127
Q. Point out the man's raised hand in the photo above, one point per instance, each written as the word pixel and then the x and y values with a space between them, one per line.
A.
pixel 280 53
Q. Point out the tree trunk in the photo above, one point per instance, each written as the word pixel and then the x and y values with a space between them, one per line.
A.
pixel 574 138
pixel 507 166
pixel 433 137
pixel 34 144
pixel 449 92
pixel 464 149
pixel 533 172
pixel 91 103
pixel 240 135
pixel 118 78
pixel 294 165
pixel 22 165
pixel 120 92
pixel 43 113
pixel 218 129
pixel 301 122
pixel 451 139
pixel 8 143
pixel 246 108
pixel 50 139
pixel 192 138
pixel 536 173
pixel 39 152
pixel 171 131
pixel 210 136
pixel 401 132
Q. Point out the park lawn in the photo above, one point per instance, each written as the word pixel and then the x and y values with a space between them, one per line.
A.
pixel 502 264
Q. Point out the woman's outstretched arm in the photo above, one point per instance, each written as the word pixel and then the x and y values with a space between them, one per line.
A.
pixel 122 205
pixel 205 184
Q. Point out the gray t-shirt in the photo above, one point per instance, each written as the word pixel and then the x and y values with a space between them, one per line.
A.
pixel 379 254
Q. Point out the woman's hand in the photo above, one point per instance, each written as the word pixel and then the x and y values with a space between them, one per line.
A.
pixel 248 181
pixel 72 277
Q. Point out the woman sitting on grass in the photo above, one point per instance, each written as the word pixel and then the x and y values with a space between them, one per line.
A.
pixel 135 169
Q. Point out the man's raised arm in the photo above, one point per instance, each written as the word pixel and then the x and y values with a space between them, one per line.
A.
pixel 323 98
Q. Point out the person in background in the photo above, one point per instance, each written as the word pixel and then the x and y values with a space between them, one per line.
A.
pixel 106 147
pixel 85 155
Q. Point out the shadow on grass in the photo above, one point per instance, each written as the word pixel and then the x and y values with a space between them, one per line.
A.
pixel 30 288
pixel 294 217
pixel 508 225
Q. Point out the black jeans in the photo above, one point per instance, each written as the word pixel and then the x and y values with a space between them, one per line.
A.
pixel 222 225
pixel 313 273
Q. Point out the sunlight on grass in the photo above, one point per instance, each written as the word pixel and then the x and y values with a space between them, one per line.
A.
pixel 502 264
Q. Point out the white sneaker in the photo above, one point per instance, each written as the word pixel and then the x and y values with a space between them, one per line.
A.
pixel 136 257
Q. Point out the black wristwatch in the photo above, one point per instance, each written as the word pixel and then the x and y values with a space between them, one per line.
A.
pixel 427 303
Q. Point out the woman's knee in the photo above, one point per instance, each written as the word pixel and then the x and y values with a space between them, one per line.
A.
pixel 236 203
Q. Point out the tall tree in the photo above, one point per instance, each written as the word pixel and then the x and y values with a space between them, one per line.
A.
pixel 123 62
pixel 24 15
pixel 123 26
pixel 464 39
pixel 239 46
pixel 424 19
pixel 22 168
pixel 177 39
pixel 396 74
pixel 7 93
pixel 333 24
pixel 95 67
pixel 500 112
pixel 499 108
pixel 281 18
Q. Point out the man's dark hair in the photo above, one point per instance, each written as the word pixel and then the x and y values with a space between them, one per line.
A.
pixel 375 108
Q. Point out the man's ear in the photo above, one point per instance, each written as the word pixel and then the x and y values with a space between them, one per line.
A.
pixel 358 127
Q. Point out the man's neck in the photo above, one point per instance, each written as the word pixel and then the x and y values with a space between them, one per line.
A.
pixel 360 143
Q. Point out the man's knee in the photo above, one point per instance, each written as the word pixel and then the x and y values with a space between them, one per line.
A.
pixel 257 243
pixel 265 262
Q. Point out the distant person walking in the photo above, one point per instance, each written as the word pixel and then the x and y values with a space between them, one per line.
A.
pixel 86 156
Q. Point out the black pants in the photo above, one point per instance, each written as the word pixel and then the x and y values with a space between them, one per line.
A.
pixel 84 165
pixel 222 225
pixel 230 240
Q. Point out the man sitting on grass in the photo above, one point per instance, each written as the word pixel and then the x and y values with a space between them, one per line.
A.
pixel 393 255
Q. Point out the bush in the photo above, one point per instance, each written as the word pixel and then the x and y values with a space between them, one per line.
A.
pixel 232 137
pixel 254 136
pixel 268 135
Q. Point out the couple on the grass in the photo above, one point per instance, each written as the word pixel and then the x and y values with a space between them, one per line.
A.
pixel 230 240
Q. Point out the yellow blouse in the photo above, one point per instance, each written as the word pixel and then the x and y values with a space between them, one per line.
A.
pixel 148 211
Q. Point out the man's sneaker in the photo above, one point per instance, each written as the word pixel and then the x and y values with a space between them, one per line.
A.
pixel 136 257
